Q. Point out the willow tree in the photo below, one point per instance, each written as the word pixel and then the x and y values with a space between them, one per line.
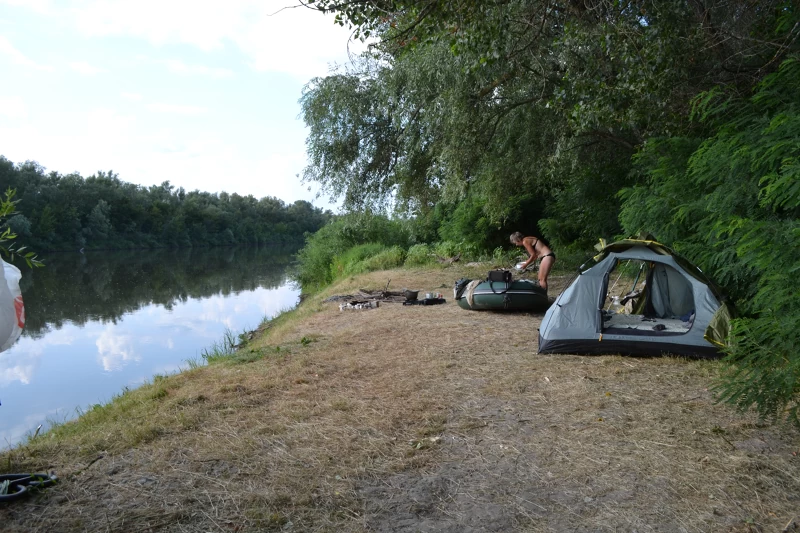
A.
pixel 514 98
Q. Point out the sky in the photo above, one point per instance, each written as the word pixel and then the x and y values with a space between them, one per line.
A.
pixel 203 94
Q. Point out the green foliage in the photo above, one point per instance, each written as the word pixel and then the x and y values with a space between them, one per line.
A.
pixel 389 258
pixel 467 222
pixel 20 225
pixel 222 350
pixel 352 261
pixel 10 223
pixel 366 258
pixel 468 251
pixel 478 104
pixel 502 256
pixel 420 254
pixel 731 203
pixel 341 247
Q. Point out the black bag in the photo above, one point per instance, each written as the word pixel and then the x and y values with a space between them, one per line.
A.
pixel 500 275
pixel 458 290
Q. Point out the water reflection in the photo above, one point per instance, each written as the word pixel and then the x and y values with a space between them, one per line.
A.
pixel 102 321
pixel 105 286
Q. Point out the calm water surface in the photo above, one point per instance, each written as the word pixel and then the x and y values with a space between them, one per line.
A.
pixel 100 322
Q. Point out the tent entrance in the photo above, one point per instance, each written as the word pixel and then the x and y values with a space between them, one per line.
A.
pixel 645 298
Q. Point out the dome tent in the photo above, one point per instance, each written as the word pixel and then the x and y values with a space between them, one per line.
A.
pixel 676 310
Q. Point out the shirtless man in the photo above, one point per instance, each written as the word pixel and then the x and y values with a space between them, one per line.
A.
pixel 537 249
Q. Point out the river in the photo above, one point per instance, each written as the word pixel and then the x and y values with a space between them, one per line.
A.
pixel 100 322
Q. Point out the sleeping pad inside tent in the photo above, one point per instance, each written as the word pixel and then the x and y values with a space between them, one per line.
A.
pixel 638 298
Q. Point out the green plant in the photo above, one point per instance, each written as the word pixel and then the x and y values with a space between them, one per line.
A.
pixel 420 254
pixel 467 251
pixel 322 258
pixel 351 261
pixel 385 259
pixel 7 247
pixel 220 350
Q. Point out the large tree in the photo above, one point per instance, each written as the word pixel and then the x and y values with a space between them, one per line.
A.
pixel 510 97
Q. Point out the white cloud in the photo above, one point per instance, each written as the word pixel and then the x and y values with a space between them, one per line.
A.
pixel 183 21
pixel 115 350
pixel 296 42
pixel 20 362
pixel 180 67
pixel 40 6
pixel 7 49
pixel 134 97
pixel 85 68
pixel 20 370
pixel 13 107
pixel 274 35
pixel 105 124
pixel 177 109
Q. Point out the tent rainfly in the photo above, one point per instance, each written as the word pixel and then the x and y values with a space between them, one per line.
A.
pixel 672 307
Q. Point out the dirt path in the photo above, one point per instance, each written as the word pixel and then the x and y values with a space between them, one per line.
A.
pixel 419 418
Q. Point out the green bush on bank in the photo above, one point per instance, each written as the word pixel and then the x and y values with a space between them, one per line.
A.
pixel 317 261
pixel 420 254
pixel 385 259
pixel 352 260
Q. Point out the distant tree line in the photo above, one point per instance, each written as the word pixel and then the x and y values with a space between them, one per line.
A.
pixel 70 212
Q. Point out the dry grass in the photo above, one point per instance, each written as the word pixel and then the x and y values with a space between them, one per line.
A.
pixel 414 419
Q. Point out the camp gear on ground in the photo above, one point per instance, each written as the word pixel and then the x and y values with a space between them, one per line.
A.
pixel 410 295
pixel 520 295
pixel 673 290
pixel 362 304
pixel 426 301
pixel 13 486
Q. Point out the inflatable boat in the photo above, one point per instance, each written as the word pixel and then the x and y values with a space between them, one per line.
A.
pixel 519 295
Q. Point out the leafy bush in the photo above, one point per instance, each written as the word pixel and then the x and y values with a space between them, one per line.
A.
pixel 351 261
pixel 316 260
pixel 468 251
pixel 420 254
pixel 389 258
pixel 507 256
pixel 8 230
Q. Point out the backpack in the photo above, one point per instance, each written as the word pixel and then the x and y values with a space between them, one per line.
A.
pixel 500 275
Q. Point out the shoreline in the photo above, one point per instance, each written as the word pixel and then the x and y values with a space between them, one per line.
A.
pixel 401 418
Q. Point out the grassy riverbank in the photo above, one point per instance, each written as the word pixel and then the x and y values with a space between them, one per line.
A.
pixel 413 419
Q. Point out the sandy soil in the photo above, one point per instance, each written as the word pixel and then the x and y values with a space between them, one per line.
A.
pixel 418 419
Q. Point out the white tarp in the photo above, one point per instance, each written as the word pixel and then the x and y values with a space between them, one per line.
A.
pixel 12 309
